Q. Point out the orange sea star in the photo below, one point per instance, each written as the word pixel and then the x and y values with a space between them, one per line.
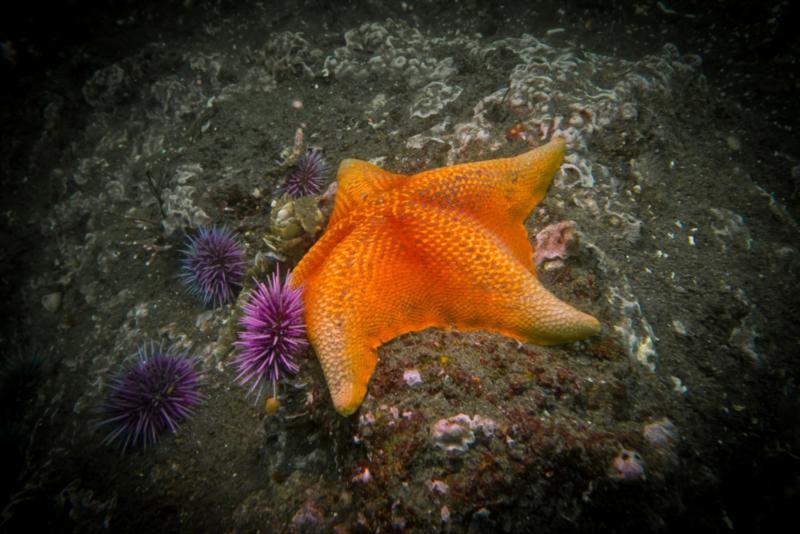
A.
pixel 443 248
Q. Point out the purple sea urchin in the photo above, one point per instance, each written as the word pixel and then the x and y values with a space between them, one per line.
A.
pixel 213 265
pixel 273 333
pixel 306 178
pixel 156 393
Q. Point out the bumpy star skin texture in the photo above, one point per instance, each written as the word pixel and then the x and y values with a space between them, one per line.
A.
pixel 443 248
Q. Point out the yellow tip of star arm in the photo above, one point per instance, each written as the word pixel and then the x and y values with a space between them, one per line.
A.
pixel 531 173
pixel 348 384
pixel 358 182
pixel 550 321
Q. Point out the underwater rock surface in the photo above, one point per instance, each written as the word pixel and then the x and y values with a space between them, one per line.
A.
pixel 678 229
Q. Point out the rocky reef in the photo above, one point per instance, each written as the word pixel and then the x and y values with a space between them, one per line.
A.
pixel 662 221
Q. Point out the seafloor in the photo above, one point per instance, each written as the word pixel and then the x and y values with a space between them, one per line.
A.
pixel 125 126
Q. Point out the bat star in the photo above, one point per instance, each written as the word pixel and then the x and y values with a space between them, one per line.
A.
pixel 444 248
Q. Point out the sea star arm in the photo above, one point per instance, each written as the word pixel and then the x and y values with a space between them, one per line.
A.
pixel 498 193
pixel 490 289
pixel 358 182
pixel 369 290
pixel 503 190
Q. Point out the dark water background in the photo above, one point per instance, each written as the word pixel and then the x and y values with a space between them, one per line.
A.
pixel 684 186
